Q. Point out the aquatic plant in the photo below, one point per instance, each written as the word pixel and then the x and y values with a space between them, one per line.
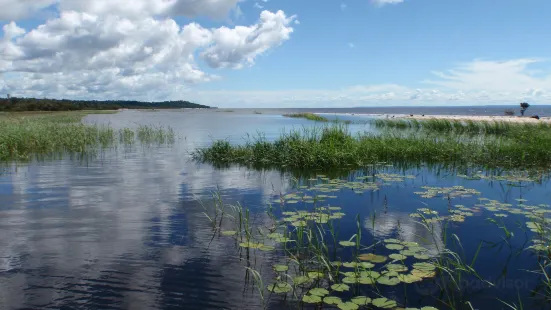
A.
pixel 27 135
pixel 308 116
pixel 333 146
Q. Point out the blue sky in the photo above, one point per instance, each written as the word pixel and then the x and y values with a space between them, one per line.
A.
pixel 313 53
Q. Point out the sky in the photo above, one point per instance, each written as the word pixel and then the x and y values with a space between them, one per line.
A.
pixel 279 53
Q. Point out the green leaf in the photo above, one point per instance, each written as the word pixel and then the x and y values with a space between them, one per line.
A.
pixel 391 240
pixel 394 246
pixel 388 281
pixel 361 300
pixel 348 306
pixel 340 287
pixel 347 243
pixel 266 248
pixel 384 303
pixel 315 274
pixel 372 258
pixel 397 256
pixel 229 233
pixel 319 292
pixel 311 299
pixel 332 300
pixel 300 280
pixel 280 287
pixel 281 268
pixel 421 256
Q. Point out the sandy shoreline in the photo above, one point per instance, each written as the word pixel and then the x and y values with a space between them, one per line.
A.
pixel 482 118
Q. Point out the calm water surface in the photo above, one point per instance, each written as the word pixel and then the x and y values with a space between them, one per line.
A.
pixel 125 230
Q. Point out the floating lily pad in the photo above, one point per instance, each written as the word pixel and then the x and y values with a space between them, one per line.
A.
pixel 229 233
pixel 388 281
pixel 396 267
pixel 251 245
pixel 394 246
pixel 424 266
pixel 315 274
pixel 421 256
pixel 319 292
pixel 280 287
pixel 391 240
pixel 409 278
pixel 299 224
pixel 300 280
pixel 429 308
pixel 361 300
pixel 280 268
pixel 340 287
pixel 311 299
pixel 372 258
pixel 384 303
pixel 332 300
pixel 348 306
pixel 407 252
pixel 396 256
pixel 266 248
pixel 347 243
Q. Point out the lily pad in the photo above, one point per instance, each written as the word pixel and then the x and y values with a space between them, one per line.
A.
pixel 229 233
pixel 396 256
pixel 266 248
pixel 348 306
pixel 281 268
pixel 384 303
pixel 394 246
pixel 361 300
pixel 424 266
pixel 319 292
pixel 372 258
pixel 332 300
pixel 391 240
pixel 315 274
pixel 340 287
pixel 347 243
pixel 409 278
pixel 311 299
pixel 388 281
pixel 300 280
pixel 396 267
pixel 280 287
pixel 421 256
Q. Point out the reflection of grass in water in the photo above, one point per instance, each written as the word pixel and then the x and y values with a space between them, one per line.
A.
pixel 25 135
pixel 334 146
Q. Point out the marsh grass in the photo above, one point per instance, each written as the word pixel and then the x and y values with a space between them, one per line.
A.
pixel 26 135
pixel 308 116
pixel 332 146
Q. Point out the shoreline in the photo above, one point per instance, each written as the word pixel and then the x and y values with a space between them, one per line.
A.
pixel 479 118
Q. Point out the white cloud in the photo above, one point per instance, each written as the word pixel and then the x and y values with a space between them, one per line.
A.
pixel 17 9
pixel 385 2
pixel 82 54
pixel 233 48
pixel 258 5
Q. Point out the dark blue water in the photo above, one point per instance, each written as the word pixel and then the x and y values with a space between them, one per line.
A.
pixel 125 230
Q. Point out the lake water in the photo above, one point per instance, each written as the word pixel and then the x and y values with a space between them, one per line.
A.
pixel 125 230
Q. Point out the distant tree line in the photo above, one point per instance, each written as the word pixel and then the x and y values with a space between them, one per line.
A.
pixel 14 104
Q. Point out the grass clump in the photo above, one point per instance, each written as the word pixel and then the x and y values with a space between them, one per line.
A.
pixel 308 116
pixel 26 135
pixel 333 146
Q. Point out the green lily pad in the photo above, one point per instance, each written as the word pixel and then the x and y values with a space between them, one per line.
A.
pixel 367 265
pixel 424 266
pixel 347 243
pixel 409 278
pixel 315 274
pixel 251 245
pixel 266 248
pixel 397 256
pixel 408 252
pixel 421 256
pixel 229 233
pixel 372 258
pixel 394 246
pixel 396 267
pixel 311 299
pixel 299 224
pixel 280 287
pixel 384 303
pixel 361 300
pixel 340 287
pixel 300 280
pixel 348 306
pixel 388 281
pixel 319 292
pixel 391 240
pixel 280 268
pixel 429 308
pixel 332 300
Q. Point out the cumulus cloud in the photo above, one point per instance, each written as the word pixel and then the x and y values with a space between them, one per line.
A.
pixel 17 9
pixel 385 2
pixel 79 54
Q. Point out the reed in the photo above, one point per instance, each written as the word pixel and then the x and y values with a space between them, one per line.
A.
pixel 308 116
pixel 333 146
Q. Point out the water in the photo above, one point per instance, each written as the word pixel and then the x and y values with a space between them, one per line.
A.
pixel 125 230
